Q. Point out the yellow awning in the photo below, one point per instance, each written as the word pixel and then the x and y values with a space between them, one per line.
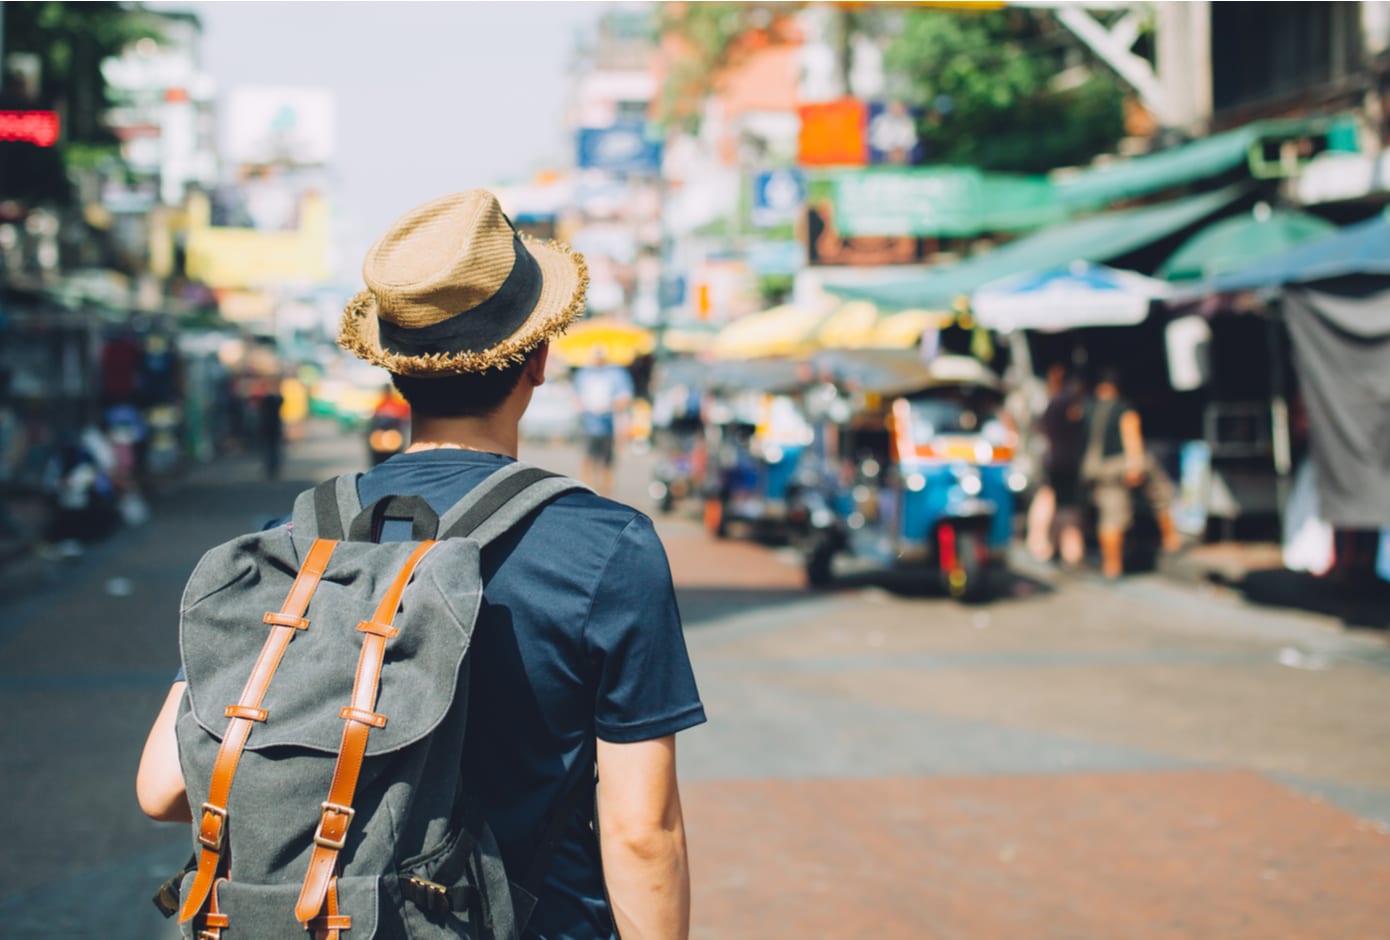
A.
pixel 781 331
pixel 620 341
pixel 688 340
pixel 849 327
pixel 904 330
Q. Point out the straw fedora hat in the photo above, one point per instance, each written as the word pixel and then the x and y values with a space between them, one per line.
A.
pixel 452 287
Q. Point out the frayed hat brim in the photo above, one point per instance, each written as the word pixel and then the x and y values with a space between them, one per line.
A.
pixel 564 283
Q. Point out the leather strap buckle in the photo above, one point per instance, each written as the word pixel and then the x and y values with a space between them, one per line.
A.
pixel 212 829
pixel 338 839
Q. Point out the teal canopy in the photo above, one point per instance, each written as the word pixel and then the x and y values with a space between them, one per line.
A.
pixel 1360 249
pixel 1096 239
pixel 1203 159
pixel 1242 240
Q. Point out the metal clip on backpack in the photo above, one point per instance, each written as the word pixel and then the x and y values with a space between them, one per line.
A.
pixel 342 728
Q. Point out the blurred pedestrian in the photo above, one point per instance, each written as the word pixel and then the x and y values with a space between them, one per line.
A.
pixel 81 495
pixel 581 662
pixel 603 390
pixel 270 428
pixel 1114 465
pixel 1054 518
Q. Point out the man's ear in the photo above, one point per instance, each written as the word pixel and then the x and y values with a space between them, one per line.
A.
pixel 535 364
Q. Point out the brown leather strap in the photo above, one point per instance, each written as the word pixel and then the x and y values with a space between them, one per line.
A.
pixel 331 923
pixel 214 921
pixel 359 719
pixel 212 825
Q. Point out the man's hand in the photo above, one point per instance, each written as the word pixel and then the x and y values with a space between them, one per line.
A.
pixel 642 836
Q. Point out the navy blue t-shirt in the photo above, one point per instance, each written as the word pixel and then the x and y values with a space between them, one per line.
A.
pixel 578 636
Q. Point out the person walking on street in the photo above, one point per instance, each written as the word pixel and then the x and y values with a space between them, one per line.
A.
pixel 604 391
pixel 579 660
pixel 270 427
pixel 1056 508
pixel 1114 465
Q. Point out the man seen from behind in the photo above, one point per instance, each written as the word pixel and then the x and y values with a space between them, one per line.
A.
pixel 578 647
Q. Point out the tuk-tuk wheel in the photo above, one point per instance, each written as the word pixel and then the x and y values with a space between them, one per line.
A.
pixel 819 560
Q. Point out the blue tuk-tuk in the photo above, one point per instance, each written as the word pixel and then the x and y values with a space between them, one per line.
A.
pixel 678 431
pixel 913 468
pixel 756 434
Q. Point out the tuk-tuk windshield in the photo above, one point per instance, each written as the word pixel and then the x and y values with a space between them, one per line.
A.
pixel 935 416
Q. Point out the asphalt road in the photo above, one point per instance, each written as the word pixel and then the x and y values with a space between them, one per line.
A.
pixel 1075 760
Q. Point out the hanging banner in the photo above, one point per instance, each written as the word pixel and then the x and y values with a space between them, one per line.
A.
pixel 950 202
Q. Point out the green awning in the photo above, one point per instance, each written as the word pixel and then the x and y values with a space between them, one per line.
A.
pixel 1096 239
pixel 1200 160
pixel 1241 241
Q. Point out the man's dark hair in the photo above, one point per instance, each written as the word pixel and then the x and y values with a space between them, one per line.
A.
pixel 468 395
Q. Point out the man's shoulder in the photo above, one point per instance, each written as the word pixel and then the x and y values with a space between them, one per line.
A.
pixel 597 513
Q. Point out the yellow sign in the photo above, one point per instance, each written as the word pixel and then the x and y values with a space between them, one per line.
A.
pixel 239 258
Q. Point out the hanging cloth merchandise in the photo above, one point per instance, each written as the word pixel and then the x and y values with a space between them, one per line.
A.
pixel 1308 538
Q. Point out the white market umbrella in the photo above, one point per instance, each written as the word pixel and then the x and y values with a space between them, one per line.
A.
pixel 1081 294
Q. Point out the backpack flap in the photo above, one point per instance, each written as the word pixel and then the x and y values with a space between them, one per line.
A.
pixel 222 634
pixel 259 912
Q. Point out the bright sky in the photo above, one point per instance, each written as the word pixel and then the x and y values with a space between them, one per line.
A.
pixel 431 97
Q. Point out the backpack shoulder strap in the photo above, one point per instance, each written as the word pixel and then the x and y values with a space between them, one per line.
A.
pixel 502 500
pixel 326 510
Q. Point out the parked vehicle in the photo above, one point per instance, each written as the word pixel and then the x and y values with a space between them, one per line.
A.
pixel 756 434
pixel 678 432
pixel 388 429
pixel 912 468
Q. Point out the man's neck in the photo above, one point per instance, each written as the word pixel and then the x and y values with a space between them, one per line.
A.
pixel 493 434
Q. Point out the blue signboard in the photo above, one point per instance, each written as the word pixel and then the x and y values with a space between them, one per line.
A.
pixel 778 196
pixel 892 134
pixel 622 148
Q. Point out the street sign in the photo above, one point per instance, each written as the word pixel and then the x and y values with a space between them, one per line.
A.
pixel 622 148
pixel 778 196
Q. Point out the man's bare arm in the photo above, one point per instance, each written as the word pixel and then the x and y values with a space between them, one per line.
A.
pixel 1132 439
pixel 159 781
pixel 642 834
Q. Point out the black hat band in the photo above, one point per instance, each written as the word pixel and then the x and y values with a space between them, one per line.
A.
pixel 482 327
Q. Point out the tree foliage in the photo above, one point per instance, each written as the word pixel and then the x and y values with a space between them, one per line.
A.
pixel 994 91
pixel 702 39
pixel 70 41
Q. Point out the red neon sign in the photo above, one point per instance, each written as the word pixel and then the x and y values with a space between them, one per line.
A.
pixel 31 127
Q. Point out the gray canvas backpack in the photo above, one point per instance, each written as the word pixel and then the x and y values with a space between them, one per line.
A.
pixel 321 733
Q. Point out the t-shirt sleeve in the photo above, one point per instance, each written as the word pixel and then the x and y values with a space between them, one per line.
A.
pixel 646 687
